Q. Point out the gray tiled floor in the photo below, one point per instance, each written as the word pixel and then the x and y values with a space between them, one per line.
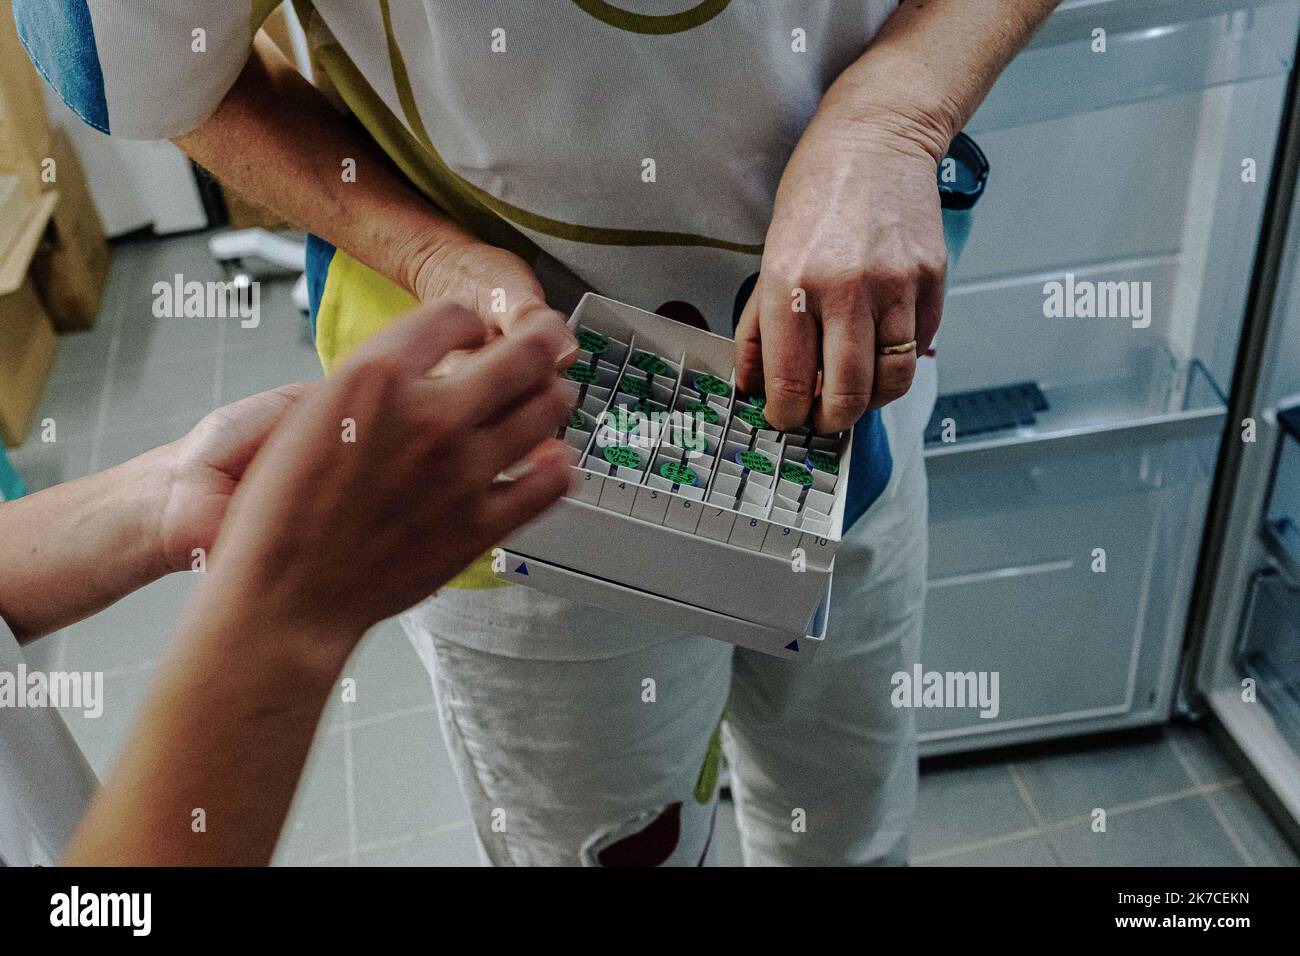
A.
pixel 379 788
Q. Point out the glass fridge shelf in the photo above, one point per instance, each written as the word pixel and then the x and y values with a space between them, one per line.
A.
pixel 1156 392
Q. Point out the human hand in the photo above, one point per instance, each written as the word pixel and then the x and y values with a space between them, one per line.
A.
pixel 852 272
pixel 379 487
pixel 492 283
pixel 205 467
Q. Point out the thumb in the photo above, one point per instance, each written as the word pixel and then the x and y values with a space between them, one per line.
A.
pixel 534 315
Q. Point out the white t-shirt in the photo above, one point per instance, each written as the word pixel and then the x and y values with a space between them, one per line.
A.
pixel 637 143
pixel 45 781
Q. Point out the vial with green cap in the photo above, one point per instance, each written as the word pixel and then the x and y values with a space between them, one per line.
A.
pixel 678 473
pixel 711 385
pixel 582 374
pixel 622 456
pixel 794 472
pixel 636 387
pixel 821 461
pixel 651 364
pixel 592 342
pixel 753 417
pixel 704 411
pixel 755 461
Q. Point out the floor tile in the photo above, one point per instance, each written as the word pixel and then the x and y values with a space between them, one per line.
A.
pixel 1206 762
pixel 245 373
pixel 726 837
pixel 45 464
pixel 389 676
pixel 962 805
pixel 101 738
pixel 1029 851
pixel 449 846
pixel 82 355
pixel 280 326
pixel 404 779
pixel 147 340
pixel 1179 833
pixel 73 406
pixel 119 445
pixel 179 387
pixel 1074 783
pixel 317 824
pixel 1259 838
pixel 133 631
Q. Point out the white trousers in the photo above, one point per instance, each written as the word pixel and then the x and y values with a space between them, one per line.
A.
pixel 613 761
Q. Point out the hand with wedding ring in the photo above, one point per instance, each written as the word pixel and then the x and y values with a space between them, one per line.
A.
pixel 850 290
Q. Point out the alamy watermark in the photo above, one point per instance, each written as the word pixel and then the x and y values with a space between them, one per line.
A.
pixel 1086 299
pixel 947 689
pixel 209 300
pixel 74 690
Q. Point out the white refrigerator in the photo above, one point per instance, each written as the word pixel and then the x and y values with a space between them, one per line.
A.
pixel 1115 554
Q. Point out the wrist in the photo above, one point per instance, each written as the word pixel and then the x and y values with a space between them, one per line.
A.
pixel 253 624
pixel 419 250
pixel 896 104
pixel 144 485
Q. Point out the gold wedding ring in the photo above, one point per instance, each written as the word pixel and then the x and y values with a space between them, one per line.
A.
pixel 898 349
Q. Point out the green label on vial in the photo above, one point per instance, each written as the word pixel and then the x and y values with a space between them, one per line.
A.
pixel 823 462
pixel 755 461
pixel 651 364
pixel 576 420
pixel 622 456
pixel 581 373
pixel 792 471
pixel 753 417
pixel 711 385
pixel 592 342
pixel 707 412
pixel 636 387
pixel 677 473
pixel 624 419
pixel 758 401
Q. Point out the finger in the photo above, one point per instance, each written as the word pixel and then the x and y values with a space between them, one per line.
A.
pixel 490 382
pixel 929 312
pixel 897 327
pixel 790 348
pixel 539 313
pixel 499 444
pixel 543 480
pixel 419 341
pixel 749 349
pixel 556 326
pixel 848 371
pixel 229 437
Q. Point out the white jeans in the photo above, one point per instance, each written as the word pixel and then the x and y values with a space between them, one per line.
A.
pixel 611 760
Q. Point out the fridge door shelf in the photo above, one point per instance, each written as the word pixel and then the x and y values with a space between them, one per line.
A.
pixel 1161 399
pixel 1282 522
pixel 1269 649
pixel 1080 547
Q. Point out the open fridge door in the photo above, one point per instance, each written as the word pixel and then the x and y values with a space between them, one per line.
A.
pixel 1242 665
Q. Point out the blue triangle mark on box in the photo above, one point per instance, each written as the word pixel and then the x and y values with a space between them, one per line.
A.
pixel 522 569
pixel 793 646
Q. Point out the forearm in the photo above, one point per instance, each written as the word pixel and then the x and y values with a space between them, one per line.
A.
pixel 209 770
pixel 933 62
pixel 278 141
pixel 71 550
